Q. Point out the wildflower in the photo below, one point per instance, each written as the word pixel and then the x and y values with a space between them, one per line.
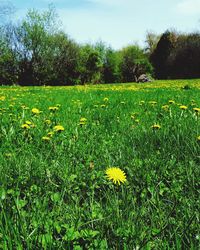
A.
pixel 24 107
pixel 8 155
pixel 46 138
pixel 82 121
pixel 50 134
pixel 156 126
pixel 152 103
pixel 198 138
pixel 2 98
pixel 36 111
pixel 116 175
pixel 53 109
pixel 103 105
pixel 25 126
pixel 141 103
pixel 183 107
pixel 197 110
pixel 171 102
pixel 165 107
pixel 105 99
pixel 58 128
pixel 28 122
pixel 47 122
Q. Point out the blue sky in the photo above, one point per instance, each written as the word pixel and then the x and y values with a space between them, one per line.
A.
pixel 119 22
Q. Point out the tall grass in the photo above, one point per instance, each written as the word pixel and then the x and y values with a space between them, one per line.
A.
pixel 54 193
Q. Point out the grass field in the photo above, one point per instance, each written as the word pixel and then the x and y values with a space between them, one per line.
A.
pixel 54 191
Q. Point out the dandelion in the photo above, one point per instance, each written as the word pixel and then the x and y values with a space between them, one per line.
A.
pixel 46 138
pixel 58 128
pixel 116 175
pixel 28 122
pixel 50 134
pixel 171 102
pixel 2 98
pixel 36 111
pixel 183 107
pixel 25 126
pixel 53 109
pixel 197 110
pixel 48 122
pixel 156 126
pixel 198 138
pixel 103 105
pixel 152 103
pixel 105 99
pixel 141 103
pixel 165 107
pixel 83 121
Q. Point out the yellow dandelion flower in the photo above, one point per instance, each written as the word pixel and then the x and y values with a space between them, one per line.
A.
pixel 197 110
pixel 47 122
pixel 198 138
pixel 50 134
pixel 2 98
pixel 103 105
pixel 156 126
pixel 25 126
pixel 36 111
pixel 183 107
pixel 141 103
pixel 116 175
pixel 28 122
pixel 58 128
pixel 46 138
pixel 83 121
pixel 153 103
pixel 105 99
pixel 165 107
pixel 53 109
pixel 171 102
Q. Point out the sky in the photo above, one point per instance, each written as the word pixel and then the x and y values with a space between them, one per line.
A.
pixel 118 23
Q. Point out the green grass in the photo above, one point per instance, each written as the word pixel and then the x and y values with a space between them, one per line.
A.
pixel 55 194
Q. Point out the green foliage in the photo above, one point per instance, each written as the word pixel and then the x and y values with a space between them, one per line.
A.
pixel 133 63
pixel 90 65
pixel 38 52
pixel 161 53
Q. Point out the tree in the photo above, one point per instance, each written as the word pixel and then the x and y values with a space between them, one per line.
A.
pixel 90 65
pixel 159 57
pixel 184 60
pixel 133 63
pixel 151 41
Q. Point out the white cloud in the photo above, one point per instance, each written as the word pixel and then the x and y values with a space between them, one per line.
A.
pixel 189 7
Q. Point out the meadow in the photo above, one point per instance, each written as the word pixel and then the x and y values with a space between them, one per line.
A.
pixel 57 145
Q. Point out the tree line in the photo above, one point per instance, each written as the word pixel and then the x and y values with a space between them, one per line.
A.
pixel 35 51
